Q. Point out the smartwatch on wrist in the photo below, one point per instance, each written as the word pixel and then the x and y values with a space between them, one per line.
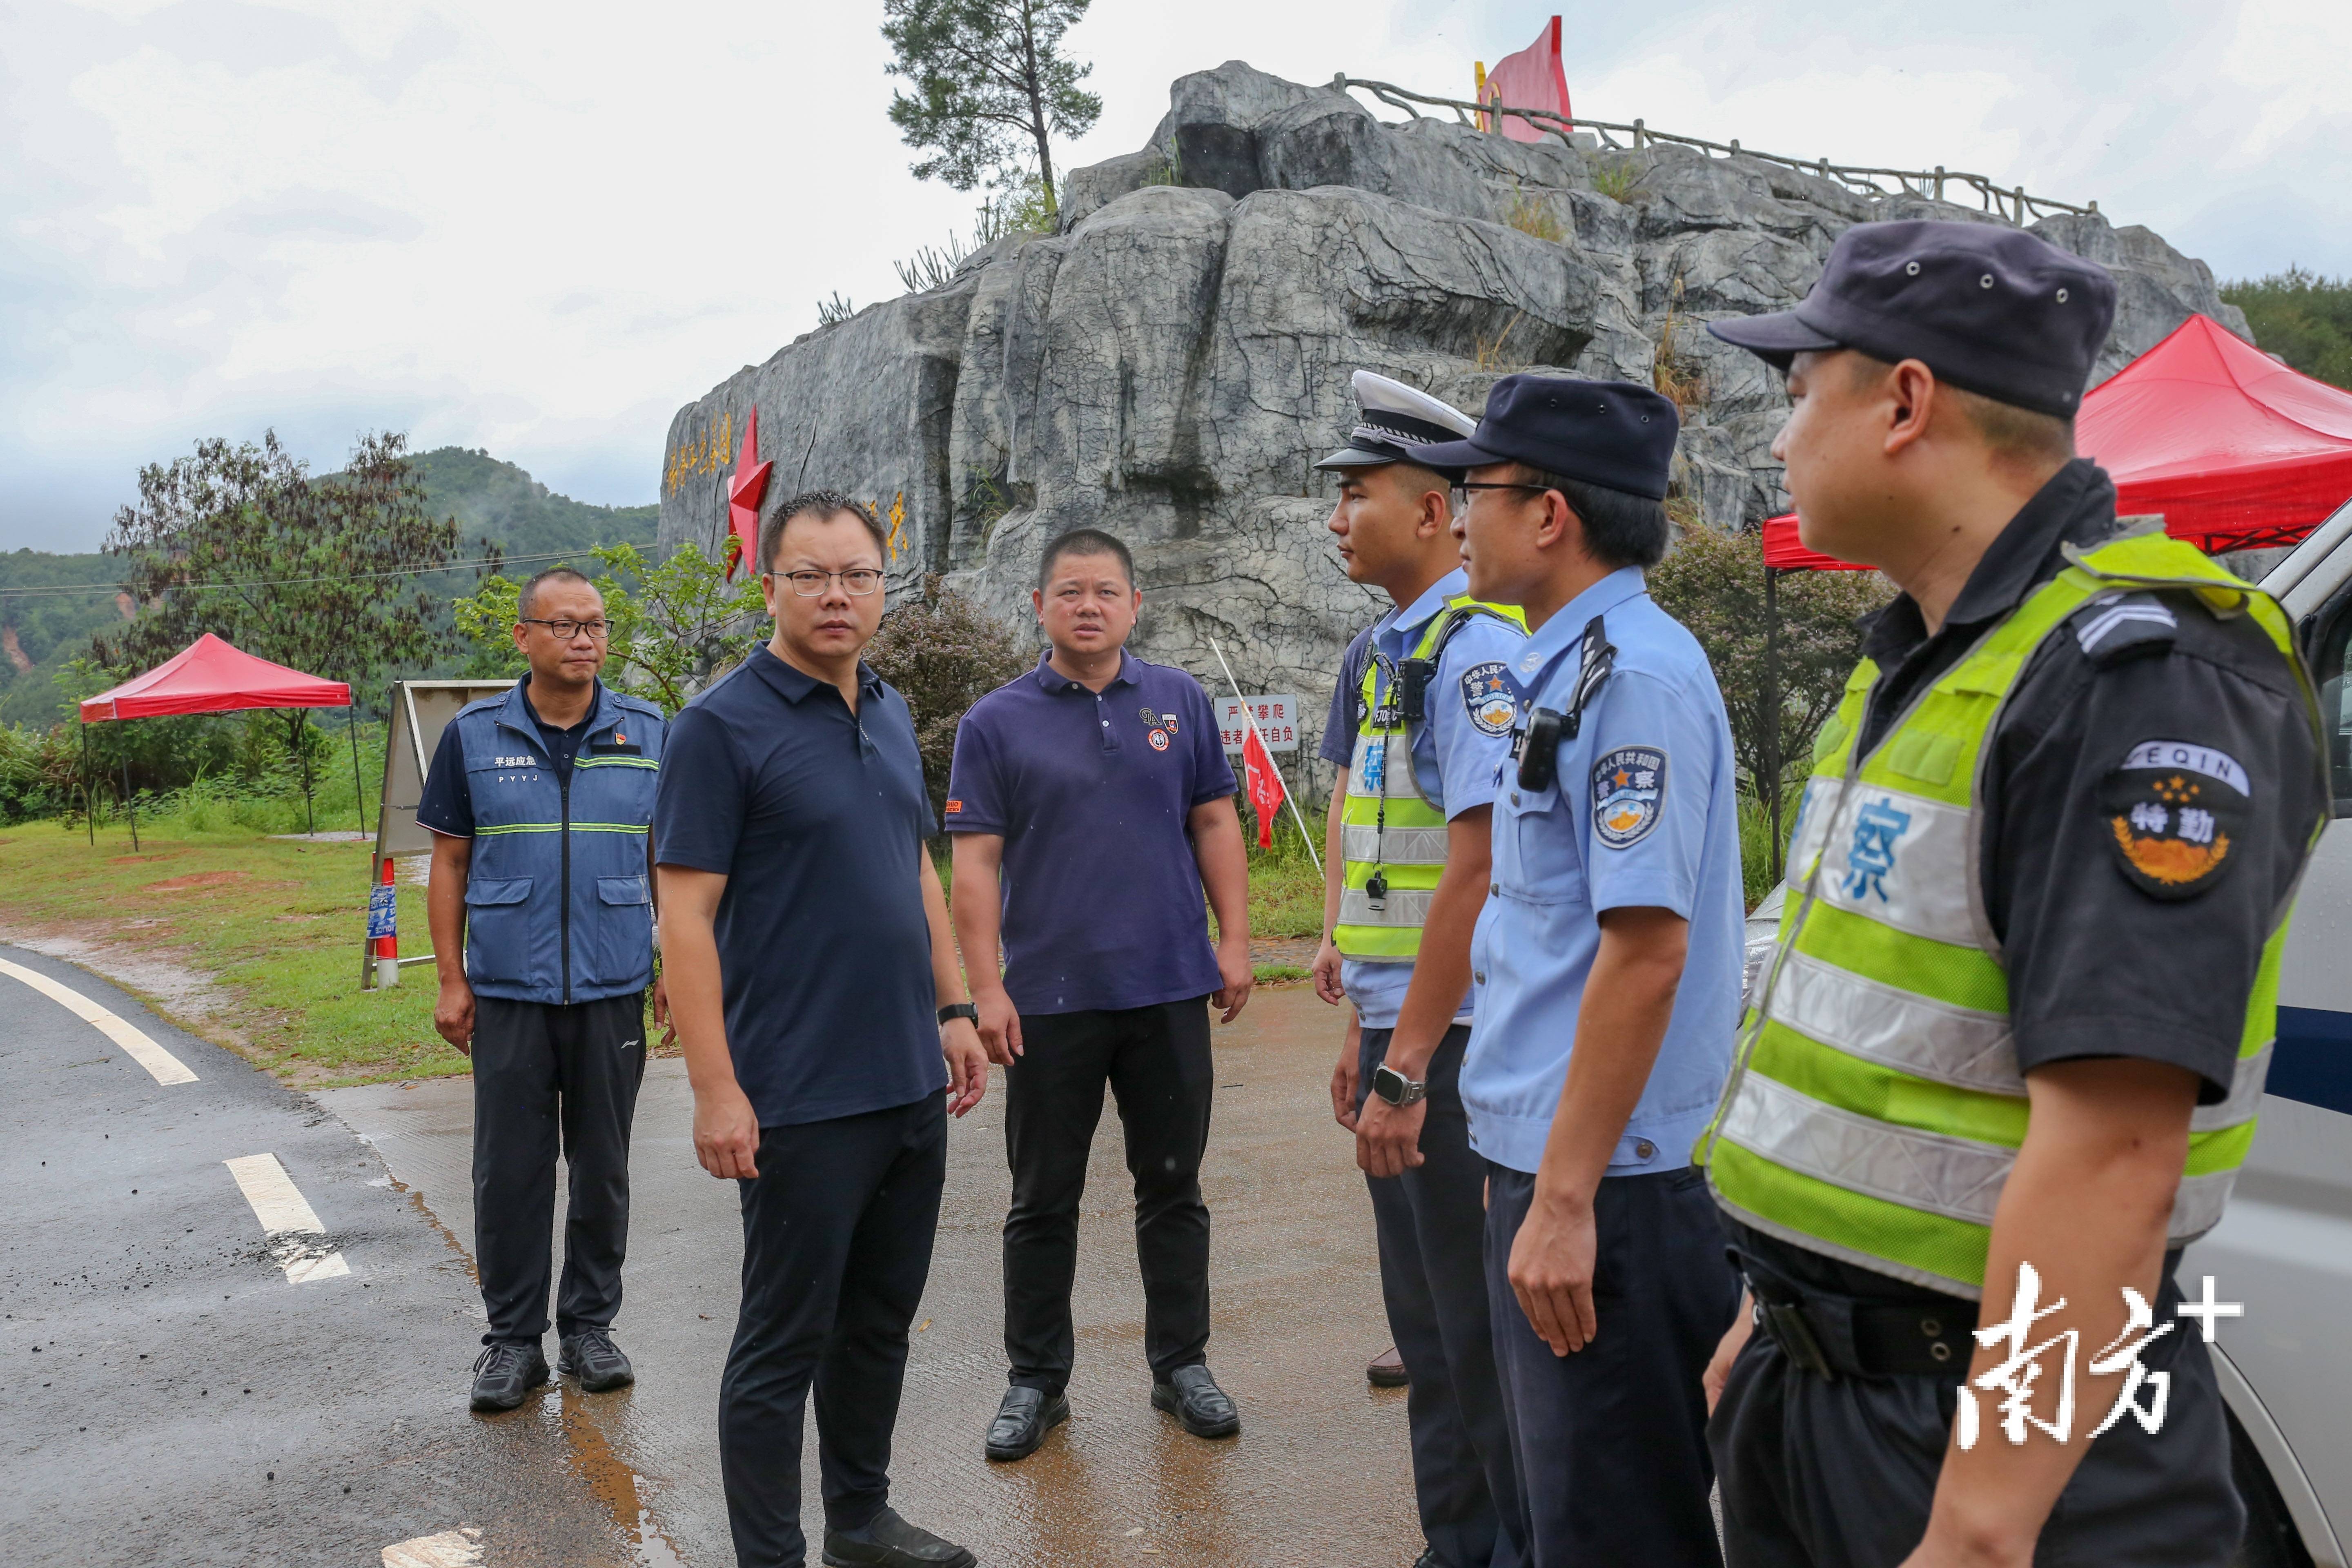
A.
pixel 1395 1087
pixel 959 1010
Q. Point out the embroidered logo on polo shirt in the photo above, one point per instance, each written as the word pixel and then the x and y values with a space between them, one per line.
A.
pixel 1158 740
pixel 1150 716
pixel 2174 809
pixel 1487 697
pixel 1627 786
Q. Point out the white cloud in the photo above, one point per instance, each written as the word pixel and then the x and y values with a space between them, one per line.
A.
pixel 539 228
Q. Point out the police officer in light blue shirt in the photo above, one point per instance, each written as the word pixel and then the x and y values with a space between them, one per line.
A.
pixel 1607 961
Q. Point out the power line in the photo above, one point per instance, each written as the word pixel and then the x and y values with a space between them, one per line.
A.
pixel 51 590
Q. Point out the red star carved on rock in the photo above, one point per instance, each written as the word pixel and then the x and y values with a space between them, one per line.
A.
pixel 743 493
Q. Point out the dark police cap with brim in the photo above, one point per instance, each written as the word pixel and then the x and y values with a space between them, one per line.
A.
pixel 1397 424
pixel 1613 434
pixel 1993 310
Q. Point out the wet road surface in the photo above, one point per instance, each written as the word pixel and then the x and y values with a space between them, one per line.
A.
pixel 178 1397
pixel 1319 1476
pixel 173 1396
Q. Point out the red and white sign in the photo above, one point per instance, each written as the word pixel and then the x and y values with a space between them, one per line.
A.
pixel 1277 719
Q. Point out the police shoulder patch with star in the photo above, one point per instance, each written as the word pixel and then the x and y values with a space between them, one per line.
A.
pixel 1628 786
pixel 1490 698
pixel 2175 811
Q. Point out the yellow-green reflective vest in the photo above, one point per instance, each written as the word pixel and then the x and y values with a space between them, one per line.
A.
pixel 1389 828
pixel 1875 1106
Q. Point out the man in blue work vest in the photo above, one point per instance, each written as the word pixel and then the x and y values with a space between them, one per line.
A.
pixel 541 804
pixel 1608 962
pixel 1421 721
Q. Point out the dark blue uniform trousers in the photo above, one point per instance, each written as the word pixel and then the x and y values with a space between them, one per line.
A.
pixel 837 1233
pixel 1611 1441
pixel 1429 1227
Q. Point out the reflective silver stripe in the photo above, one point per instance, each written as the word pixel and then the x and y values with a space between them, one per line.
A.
pixel 1898 858
pixel 2197 1206
pixel 1896 1028
pixel 2245 1096
pixel 1956 1177
pixel 1397 846
pixel 1404 909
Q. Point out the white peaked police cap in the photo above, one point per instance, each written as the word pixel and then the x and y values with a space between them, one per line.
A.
pixel 1397 422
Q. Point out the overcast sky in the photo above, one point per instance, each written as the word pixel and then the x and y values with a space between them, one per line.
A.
pixel 539 228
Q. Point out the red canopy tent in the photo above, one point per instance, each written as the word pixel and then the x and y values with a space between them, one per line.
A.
pixel 211 675
pixel 2233 449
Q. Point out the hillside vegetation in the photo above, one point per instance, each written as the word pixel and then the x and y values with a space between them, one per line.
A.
pixel 2303 318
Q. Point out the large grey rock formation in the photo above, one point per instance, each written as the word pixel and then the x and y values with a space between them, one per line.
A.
pixel 1171 364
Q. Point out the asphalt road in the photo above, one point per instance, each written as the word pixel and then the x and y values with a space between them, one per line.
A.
pixel 178 1399
pixel 174 1396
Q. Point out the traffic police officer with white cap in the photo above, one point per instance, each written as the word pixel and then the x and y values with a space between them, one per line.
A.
pixel 2010 1046
pixel 1421 720
pixel 1608 964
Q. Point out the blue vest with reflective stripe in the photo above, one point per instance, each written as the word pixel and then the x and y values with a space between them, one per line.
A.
pixel 558 904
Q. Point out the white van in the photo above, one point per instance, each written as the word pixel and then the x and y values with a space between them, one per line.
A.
pixel 2284 1248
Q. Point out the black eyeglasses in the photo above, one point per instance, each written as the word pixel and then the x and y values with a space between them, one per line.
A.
pixel 566 630
pixel 1463 494
pixel 858 580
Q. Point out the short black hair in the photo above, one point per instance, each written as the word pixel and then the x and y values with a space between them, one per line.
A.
pixel 540 579
pixel 822 504
pixel 1083 541
pixel 1619 529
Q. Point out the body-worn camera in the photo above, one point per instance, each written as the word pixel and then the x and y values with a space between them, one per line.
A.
pixel 1535 743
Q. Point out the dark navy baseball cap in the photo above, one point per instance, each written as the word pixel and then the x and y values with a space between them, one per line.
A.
pixel 1613 434
pixel 1988 308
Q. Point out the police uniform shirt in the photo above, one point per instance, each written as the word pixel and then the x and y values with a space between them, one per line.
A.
pixel 1456 753
pixel 2150 795
pixel 1641 813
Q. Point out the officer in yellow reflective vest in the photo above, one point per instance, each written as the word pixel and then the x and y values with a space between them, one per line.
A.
pixel 2005 1059
pixel 1421 720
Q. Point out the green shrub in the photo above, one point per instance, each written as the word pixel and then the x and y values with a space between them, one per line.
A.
pixel 2303 318
pixel 944 653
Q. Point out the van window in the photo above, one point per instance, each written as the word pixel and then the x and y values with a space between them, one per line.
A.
pixel 2331 664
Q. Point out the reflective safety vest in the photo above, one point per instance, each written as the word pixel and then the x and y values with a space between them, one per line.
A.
pixel 1394 835
pixel 1875 1107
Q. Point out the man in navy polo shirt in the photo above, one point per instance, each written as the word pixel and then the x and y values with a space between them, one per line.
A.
pixel 813 984
pixel 1091 803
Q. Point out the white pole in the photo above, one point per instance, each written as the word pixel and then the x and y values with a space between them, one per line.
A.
pixel 1269 759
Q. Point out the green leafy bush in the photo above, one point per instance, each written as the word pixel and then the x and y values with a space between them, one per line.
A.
pixel 944 653
pixel 2303 318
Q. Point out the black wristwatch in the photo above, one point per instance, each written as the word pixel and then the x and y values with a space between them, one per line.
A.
pixel 1395 1087
pixel 959 1010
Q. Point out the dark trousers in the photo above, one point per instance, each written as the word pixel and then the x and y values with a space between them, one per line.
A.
pixel 1157 1062
pixel 1840 1475
pixel 1429 1225
pixel 1612 1439
pixel 837 1232
pixel 551 1078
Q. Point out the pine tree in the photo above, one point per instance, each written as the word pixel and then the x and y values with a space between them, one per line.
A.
pixel 990 83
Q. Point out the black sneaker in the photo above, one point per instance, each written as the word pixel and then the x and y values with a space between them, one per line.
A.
pixel 889 1542
pixel 591 1356
pixel 1022 1421
pixel 1193 1397
pixel 506 1371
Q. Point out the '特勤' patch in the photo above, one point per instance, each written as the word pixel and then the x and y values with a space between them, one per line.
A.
pixel 2175 811
pixel 1489 697
pixel 1629 784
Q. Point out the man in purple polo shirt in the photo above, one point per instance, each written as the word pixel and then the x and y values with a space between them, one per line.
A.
pixel 1091 804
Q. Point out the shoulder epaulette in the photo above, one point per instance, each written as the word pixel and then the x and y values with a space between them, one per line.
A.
pixel 2113 627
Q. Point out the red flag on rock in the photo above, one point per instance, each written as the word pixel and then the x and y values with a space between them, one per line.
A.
pixel 1265 783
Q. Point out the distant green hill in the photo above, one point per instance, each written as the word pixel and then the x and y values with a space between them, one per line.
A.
pixel 490 499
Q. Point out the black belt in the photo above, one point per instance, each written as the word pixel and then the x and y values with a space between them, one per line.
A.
pixel 1834 1336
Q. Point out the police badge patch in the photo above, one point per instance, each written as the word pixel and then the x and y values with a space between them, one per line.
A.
pixel 2174 811
pixel 1628 784
pixel 1489 697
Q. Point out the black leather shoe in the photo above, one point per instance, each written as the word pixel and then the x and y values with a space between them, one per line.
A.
pixel 591 1356
pixel 1387 1371
pixel 1022 1421
pixel 1193 1397
pixel 505 1372
pixel 1428 1559
pixel 889 1542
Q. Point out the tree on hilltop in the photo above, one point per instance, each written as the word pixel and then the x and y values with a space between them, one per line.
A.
pixel 990 83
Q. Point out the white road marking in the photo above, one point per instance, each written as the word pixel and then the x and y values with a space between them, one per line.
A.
pixel 450 1549
pixel 160 1064
pixel 289 1221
